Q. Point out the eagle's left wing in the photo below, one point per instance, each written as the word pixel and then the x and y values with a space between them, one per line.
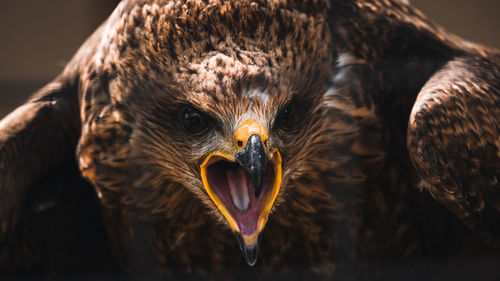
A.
pixel 454 140
pixel 452 88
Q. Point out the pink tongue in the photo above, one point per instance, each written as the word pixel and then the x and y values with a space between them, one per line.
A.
pixel 238 188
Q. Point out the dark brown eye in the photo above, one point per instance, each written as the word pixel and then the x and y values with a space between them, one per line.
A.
pixel 194 121
pixel 283 117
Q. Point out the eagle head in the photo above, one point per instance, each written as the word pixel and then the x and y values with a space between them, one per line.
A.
pixel 179 114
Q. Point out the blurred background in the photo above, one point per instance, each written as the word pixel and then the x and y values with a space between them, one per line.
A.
pixel 39 36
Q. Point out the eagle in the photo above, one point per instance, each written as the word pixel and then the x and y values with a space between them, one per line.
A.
pixel 257 139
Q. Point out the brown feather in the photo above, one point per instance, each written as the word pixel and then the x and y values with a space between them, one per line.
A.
pixel 349 71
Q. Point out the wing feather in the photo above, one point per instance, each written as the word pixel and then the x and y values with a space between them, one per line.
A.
pixel 454 140
pixel 38 165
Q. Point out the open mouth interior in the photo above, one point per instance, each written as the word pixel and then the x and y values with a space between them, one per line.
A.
pixel 236 191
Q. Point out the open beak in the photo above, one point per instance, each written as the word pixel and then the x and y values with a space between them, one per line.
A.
pixel 244 186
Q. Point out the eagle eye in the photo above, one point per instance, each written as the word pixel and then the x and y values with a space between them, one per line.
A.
pixel 283 117
pixel 193 120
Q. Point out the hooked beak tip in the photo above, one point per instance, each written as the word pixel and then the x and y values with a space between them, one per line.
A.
pixel 250 252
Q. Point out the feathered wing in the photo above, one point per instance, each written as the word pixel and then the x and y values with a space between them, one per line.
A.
pixel 39 180
pixel 34 139
pixel 453 130
pixel 454 139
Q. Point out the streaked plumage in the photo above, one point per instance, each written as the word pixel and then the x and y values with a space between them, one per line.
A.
pixel 361 100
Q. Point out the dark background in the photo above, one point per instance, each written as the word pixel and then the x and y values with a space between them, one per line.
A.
pixel 37 37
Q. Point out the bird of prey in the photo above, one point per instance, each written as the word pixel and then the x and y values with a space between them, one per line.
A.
pixel 343 139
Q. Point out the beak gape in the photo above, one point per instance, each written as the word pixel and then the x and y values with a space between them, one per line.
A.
pixel 244 186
